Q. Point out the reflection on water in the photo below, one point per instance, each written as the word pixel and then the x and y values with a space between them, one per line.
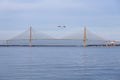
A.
pixel 61 63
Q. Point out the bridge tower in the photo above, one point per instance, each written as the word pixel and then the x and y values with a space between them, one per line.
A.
pixel 30 37
pixel 84 37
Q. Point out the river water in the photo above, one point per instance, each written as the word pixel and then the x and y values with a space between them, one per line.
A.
pixel 59 63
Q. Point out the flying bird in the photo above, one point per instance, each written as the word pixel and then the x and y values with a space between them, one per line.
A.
pixel 64 26
pixel 59 26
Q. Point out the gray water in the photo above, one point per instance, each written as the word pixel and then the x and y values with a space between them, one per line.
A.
pixel 59 63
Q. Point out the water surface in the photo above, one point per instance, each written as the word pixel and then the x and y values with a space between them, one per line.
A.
pixel 59 63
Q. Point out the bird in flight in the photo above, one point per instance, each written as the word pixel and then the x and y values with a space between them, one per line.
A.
pixel 59 26
pixel 62 26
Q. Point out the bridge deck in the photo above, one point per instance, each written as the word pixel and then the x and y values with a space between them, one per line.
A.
pixel 56 45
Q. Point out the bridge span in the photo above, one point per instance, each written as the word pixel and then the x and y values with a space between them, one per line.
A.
pixel 32 38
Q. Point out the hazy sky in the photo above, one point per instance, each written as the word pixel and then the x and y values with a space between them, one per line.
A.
pixel 100 16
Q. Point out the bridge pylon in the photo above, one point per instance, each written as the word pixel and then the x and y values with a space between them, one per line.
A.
pixel 30 40
pixel 85 36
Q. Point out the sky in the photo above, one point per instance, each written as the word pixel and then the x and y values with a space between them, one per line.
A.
pixel 99 16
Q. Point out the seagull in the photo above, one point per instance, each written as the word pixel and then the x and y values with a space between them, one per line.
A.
pixel 64 26
pixel 59 26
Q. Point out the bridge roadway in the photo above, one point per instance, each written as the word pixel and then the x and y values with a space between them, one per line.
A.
pixel 92 45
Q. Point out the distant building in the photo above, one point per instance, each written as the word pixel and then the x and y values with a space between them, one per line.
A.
pixel 110 43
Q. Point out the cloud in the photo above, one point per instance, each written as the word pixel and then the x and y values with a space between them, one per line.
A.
pixel 46 13
pixel 53 4
pixel 47 4
pixel 76 7
pixel 7 5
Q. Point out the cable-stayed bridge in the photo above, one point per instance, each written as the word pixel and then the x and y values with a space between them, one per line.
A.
pixel 31 38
